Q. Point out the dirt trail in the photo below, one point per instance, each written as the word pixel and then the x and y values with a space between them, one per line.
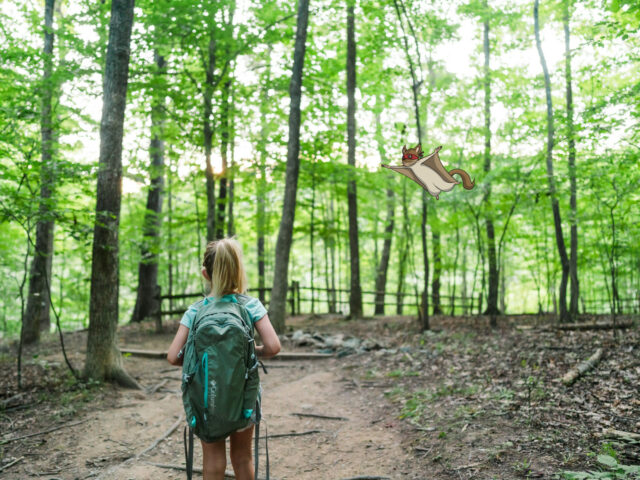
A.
pixel 125 423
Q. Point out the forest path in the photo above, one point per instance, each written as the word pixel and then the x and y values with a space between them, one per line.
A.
pixel 121 424
pixel 360 445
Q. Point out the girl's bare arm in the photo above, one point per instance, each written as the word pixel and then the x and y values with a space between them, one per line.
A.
pixel 177 344
pixel 270 341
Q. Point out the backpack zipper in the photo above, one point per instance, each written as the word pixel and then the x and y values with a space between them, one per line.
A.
pixel 205 366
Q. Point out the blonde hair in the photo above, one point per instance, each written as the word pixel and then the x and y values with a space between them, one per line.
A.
pixel 225 267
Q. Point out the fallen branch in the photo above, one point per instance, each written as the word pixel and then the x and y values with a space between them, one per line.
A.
pixel 281 356
pixel 295 434
pixel 163 437
pixel 315 415
pixel 9 400
pixel 108 473
pixel 594 326
pixel 9 440
pixel 11 464
pixel 155 388
pixel 572 375
pixel 621 435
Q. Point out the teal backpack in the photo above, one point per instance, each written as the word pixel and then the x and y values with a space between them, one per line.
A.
pixel 220 381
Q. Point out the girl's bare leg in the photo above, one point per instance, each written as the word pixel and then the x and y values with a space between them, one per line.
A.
pixel 214 460
pixel 241 458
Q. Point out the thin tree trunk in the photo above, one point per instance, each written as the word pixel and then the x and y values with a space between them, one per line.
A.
pixel 170 234
pixel 262 179
pixel 573 220
pixel 333 306
pixel 557 222
pixel 455 269
pixel 437 270
pixel 494 274
pixel 355 295
pixel 207 122
pixel 404 252
pixel 224 153
pixel 231 228
pixel 37 314
pixel 383 266
pixel 312 232
pixel 103 360
pixel 277 304
pixel 147 301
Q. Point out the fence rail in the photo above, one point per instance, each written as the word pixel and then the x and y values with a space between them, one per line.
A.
pixel 328 300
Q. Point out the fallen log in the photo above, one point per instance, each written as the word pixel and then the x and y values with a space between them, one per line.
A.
pixel 630 437
pixel 572 375
pixel 594 326
pixel 281 356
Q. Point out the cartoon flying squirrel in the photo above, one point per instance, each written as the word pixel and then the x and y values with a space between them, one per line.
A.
pixel 429 172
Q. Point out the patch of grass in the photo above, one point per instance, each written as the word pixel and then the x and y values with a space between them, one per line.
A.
pixel 371 374
pixel 402 373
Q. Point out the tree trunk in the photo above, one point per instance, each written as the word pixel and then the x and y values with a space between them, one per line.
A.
pixel 224 153
pixel 437 270
pixel 355 296
pixel 494 274
pixel 147 301
pixel 573 220
pixel 262 179
pixel 283 245
pixel 404 252
pixel 103 360
pixel 557 222
pixel 231 228
pixel 37 314
pixel 383 266
pixel 312 233
pixel 208 139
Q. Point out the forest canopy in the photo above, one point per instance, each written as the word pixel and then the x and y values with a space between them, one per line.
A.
pixel 207 113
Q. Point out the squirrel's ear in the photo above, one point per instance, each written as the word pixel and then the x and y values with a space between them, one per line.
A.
pixel 419 148
pixel 404 148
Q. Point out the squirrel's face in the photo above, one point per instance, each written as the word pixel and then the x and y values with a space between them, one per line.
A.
pixel 410 155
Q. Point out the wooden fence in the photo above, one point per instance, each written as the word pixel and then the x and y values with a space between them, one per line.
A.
pixel 307 300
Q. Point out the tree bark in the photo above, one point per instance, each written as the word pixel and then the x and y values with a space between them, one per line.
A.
pixel 37 314
pixel 208 138
pixel 437 271
pixel 557 222
pixel 404 252
pixel 494 274
pixel 224 153
pixel 573 220
pixel 283 244
pixel 383 266
pixel 103 360
pixel 147 301
pixel 355 295
pixel 262 178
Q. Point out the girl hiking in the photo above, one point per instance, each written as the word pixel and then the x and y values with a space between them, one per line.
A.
pixel 223 269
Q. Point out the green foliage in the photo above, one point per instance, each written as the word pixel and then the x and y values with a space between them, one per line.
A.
pixel 611 469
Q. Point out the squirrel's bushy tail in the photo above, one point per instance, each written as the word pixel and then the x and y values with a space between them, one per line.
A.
pixel 467 183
